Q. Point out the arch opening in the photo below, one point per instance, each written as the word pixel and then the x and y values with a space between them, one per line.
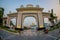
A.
pixel 30 23
pixel 46 23
pixel 13 22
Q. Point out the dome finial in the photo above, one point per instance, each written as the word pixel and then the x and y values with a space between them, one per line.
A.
pixel 21 6
pixel 9 11
pixel 29 5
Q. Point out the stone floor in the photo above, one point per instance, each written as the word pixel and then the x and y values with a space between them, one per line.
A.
pixel 30 35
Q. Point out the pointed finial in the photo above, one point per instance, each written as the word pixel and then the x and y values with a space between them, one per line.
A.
pixel 37 5
pixel 21 6
pixel 9 11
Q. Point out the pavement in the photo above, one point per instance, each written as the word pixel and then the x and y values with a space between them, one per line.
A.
pixel 30 35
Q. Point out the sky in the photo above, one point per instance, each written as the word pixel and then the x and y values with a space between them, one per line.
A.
pixel 30 21
pixel 11 5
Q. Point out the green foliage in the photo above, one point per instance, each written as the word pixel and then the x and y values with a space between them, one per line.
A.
pixel 52 17
pixel 0 38
pixel 55 27
pixel 11 23
pixel 7 29
pixel 1 15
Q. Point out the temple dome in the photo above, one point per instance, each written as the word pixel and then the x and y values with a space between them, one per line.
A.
pixel 29 5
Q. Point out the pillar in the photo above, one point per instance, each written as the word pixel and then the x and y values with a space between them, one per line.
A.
pixel 40 18
pixel 8 21
pixel 19 20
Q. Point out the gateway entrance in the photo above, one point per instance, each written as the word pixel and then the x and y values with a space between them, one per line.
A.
pixel 28 11
pixel 30 23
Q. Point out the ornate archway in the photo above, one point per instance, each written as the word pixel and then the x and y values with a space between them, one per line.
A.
pixel 29 10
pixel 24 15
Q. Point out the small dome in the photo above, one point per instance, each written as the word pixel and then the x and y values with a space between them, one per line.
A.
pixel 37 5
pixel 21 6
pixel 9 11
pixel 29 5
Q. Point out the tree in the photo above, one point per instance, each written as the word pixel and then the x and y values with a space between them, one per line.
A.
pixel 1 16
pixel 52 18
pixel 11 23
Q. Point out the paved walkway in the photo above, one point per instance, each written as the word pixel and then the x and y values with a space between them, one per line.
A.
pixel 30 35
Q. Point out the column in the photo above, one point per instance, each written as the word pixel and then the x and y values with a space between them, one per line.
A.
pixel 8 21
pixel 40 20
pixel 19 20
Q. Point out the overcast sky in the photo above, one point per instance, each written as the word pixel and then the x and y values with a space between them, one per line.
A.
pixel 11 5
